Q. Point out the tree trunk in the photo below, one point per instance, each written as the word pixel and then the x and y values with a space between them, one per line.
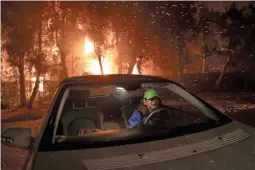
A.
pixel 120 59
pixel 181 65
pixel 37 67
pixel 100 64
pixel 63 64
pixel 204 65
pixel 62 47
pixel 64 72
pixel 131 66
pixel 63 69
pixel 59 43
pixel 139 66
pixel 35 89
pixel 99 57
pixel 182 59
pixel 219 81
pixel 23 100
pixel 204 51
pixel 120 66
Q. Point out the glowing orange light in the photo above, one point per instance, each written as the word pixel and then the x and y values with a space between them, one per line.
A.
pixel 95 67
pixel 108 60
pixel 89 47
pixel 33 79
pixel 135 70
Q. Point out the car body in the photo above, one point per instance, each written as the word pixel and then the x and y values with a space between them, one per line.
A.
pixel 203 138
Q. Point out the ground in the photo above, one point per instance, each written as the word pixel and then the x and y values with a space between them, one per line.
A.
pixel 235 106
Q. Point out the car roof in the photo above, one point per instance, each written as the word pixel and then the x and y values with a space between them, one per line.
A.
pixel 115 78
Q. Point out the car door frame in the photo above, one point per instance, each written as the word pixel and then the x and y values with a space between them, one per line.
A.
pixel 44 135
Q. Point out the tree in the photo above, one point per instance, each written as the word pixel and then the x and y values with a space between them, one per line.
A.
pixel 97 27
pixel 128 31
pixel 18 26
pixel 63 22
pixel 117 14
pixel 249 46
pixel 177 22
pixel 119 18
pixel 239 28
pixel 207 30
pixel 37 51
pixel 98 37
pixel 137 46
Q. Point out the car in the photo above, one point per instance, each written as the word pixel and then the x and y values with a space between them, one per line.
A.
pixel 188 133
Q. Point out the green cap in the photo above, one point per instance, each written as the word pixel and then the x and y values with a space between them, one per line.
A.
pixel 150 93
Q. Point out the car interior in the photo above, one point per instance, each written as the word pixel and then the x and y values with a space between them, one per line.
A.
pixel 97 112
pixel 80 115
pixel 92 112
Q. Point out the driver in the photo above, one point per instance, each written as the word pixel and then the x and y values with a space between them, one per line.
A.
pixel 150 102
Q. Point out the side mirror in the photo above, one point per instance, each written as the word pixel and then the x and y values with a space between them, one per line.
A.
pixel 17 137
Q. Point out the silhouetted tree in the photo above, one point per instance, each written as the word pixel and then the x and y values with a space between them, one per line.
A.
pixel 18 25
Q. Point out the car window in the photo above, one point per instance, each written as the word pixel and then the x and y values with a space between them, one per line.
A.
pixel 89 110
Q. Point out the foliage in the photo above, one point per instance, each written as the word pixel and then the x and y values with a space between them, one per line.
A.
pixel 238 26
pixel 157 31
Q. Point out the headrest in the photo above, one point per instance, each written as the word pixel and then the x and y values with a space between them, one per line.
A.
pixel 79 97
pixel 135 100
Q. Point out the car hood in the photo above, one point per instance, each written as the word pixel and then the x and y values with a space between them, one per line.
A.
pixel 231 146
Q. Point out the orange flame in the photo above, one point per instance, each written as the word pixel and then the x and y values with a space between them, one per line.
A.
pixel 89 47
pixel 135 70
pixel 94 66
pixel 109 66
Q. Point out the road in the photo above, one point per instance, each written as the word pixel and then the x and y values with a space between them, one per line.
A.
pixel 12 159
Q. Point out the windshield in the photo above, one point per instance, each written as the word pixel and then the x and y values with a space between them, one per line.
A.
pixel 147 108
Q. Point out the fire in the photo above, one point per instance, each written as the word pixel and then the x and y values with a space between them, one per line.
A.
pixel 92 63
pixel 135 70
pixel 89 47
pixel 95 67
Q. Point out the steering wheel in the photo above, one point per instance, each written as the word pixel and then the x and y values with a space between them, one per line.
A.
pixel 154 112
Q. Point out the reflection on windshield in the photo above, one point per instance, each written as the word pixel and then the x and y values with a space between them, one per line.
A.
pixel 99 91
pixel 89 110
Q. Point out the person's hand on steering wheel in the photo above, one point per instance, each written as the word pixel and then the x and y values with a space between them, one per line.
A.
pixel 151 115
